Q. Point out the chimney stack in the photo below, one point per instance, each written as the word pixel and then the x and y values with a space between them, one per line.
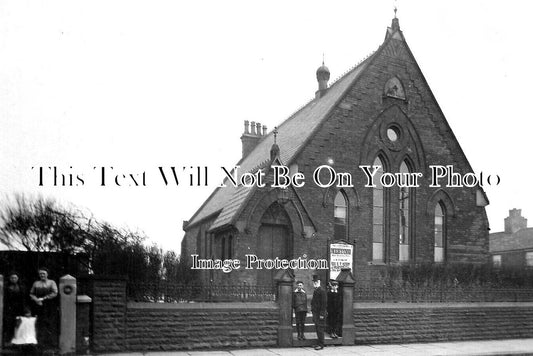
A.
pixel 253 133
pixel 515 221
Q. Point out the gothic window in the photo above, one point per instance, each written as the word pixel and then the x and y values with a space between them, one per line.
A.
pixel 230 247
pixel 340 214
pixel 404 216
pixel 440 219
pixel 378 214
pixel 206 244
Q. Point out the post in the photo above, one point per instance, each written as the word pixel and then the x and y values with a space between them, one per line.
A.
pixel 67 315
pixel 83 338
pixel 285 281
pixel 347 282
pixel 1 310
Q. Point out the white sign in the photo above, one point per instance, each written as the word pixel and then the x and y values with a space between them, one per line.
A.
pixel 340 256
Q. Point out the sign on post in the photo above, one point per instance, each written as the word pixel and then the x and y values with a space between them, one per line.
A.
pixel 340 256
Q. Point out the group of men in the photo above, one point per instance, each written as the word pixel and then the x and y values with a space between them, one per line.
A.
pixel 324 307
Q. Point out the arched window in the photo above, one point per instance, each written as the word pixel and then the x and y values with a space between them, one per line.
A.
pixel 340 214
pixel 377 214
pixel 230 247
pixel 206 244
pixel 440 220
pixel 404 216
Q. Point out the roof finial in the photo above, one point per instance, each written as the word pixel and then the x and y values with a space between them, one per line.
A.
pixel 395 22
pixel 274 150
pixel 322 75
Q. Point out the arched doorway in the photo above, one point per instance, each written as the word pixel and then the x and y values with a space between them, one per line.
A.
pixel 274 240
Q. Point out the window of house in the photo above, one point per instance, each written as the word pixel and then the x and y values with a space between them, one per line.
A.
pixel 529 259
pixel 497 260
pixel 404 222
pixel 223 248
pixel 377 214
pixel 440 219
pixel 340 214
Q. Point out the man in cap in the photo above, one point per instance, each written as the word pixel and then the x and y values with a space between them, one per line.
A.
pixel 318 308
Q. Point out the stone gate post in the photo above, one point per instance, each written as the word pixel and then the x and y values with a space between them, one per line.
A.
pixel 347 282
pixel 285 281
pixel 67 315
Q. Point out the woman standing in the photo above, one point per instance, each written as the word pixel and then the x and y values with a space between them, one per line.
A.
pixel 43 293
pixel 14 302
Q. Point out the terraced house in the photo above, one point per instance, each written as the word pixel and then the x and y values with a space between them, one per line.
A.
pixel 380 113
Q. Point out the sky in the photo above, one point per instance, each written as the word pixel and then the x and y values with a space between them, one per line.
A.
pixel 137 85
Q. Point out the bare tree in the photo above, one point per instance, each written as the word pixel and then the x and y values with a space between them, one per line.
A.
pixel 42 225
pixel 39 224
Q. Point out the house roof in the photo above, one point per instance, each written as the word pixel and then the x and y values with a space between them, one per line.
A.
pixel 293 135
pixel 502 241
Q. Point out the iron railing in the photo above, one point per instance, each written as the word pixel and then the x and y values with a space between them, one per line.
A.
pixel 423 294
pixel 166 292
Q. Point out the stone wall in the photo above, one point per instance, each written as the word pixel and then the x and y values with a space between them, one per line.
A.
pixel 405 323
pixel 109 314
pixel 165 327
pixel 121 326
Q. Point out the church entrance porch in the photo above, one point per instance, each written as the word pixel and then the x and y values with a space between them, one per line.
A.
pixel 273 240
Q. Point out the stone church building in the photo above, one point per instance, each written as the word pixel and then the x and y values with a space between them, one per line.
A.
pixel 380 113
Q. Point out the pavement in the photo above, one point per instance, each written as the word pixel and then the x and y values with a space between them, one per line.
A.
pixel 482 347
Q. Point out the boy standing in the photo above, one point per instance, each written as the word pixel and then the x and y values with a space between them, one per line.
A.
pixel 299 304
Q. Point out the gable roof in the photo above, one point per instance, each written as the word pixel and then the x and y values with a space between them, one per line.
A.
pixel 293 135
pixel 225 203
pixel 503 242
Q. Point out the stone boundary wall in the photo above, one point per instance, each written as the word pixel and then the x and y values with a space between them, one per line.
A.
pixel 108 314
pixel 377 323
pixel 119 326
pixel 166 327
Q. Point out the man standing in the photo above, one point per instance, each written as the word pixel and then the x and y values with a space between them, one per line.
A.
pixel 318 308
pixel 299 303
pixel 334 310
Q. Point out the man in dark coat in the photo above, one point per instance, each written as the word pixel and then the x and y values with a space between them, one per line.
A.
pixel 318 308
pixel 299 304
pixel 334 310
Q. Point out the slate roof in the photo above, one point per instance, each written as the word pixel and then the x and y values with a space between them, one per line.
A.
pixel 520 240
pixel 293 135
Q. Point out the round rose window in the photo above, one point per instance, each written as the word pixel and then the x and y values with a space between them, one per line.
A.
pixel 393 134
